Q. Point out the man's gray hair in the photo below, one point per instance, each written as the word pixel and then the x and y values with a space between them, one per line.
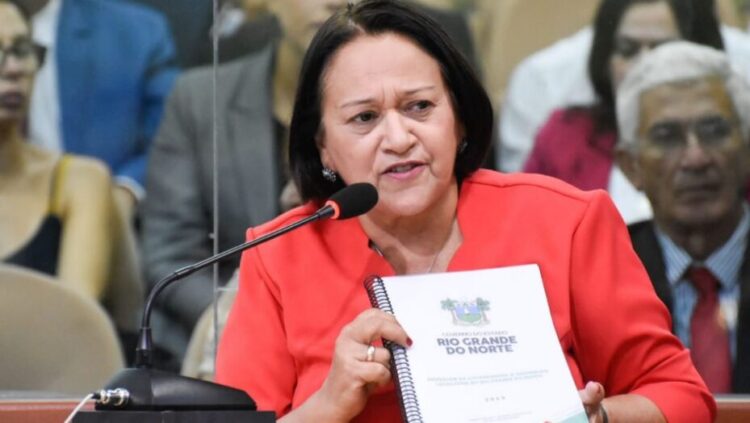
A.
pixel 676 62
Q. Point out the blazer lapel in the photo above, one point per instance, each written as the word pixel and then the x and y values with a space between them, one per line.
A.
pixel 252 139
pixel 648 249
pixel 74 69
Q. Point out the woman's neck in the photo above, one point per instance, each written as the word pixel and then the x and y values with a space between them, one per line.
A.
pixel 11 150
pixel 417 244
pixel 286 72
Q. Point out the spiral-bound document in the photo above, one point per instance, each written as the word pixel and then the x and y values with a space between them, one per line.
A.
pixel 484 350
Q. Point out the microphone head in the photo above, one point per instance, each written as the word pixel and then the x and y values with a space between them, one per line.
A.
pixel 353 200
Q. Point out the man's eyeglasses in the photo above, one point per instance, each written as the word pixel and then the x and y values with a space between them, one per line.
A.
pixel 22 49
pixel 711 132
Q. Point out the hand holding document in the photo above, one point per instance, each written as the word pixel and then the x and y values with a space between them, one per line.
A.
pixel 485 349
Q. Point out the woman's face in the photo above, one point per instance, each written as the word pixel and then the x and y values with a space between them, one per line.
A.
pixel 643 27
pixel 17 64
pixel 388 119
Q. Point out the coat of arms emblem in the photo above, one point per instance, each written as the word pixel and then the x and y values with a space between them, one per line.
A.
pixel 467 312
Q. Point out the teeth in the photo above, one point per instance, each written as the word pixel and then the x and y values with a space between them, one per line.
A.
pixel 401 169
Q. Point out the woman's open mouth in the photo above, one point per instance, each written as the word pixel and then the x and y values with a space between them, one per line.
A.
pixel 406 170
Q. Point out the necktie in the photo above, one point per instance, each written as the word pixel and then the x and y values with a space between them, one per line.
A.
pixel 710 340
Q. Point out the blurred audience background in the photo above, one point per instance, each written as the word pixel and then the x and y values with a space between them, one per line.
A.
pixel 110 178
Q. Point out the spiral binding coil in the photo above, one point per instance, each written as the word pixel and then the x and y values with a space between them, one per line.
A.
pixel 399 360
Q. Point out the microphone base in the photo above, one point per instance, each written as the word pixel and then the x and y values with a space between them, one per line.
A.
pixel 154 390
pixel 210 416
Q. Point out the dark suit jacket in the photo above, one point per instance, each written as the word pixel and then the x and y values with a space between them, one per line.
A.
pixel 649 250
pixel 178 213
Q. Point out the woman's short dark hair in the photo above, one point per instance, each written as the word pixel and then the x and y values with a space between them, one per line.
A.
pixel 373 17
pixel 607 20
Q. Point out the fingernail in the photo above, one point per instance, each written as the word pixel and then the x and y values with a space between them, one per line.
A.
pixel 409 342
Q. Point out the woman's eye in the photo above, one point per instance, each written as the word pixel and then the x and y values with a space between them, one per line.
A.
pixel 364 117
pixel 421 105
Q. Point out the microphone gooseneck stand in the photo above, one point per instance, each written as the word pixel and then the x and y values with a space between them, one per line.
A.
pixel 142 394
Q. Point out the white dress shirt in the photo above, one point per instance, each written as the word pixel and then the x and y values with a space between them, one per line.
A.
pixel 44 113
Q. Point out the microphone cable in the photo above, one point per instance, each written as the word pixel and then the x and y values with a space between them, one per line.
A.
pixel 80 405
pixel 117 397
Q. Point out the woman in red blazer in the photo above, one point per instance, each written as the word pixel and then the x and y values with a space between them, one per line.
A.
pixel 384 98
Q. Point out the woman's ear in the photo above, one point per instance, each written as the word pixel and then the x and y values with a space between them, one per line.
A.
pixel 325 157
pixel 627 160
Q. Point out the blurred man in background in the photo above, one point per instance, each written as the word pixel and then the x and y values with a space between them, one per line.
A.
pixel 684 117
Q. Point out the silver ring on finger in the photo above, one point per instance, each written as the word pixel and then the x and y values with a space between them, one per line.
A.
pixel 370 353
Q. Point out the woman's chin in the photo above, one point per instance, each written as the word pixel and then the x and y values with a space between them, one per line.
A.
pixel 405 206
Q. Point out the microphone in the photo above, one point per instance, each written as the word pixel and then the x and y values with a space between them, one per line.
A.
pixel 145 389
pixel 351 201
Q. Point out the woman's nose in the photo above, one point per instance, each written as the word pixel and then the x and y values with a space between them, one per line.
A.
pixel 397 136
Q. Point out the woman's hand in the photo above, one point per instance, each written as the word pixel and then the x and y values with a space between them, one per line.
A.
pixel 591 396
pixel 357 369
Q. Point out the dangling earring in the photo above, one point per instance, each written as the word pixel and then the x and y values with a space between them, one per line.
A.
pixel 329 175
pixel 462 147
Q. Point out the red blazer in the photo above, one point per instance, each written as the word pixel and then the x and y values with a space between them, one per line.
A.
pixel 298 291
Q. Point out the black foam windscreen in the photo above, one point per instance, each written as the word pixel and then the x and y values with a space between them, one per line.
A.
pixel 355 199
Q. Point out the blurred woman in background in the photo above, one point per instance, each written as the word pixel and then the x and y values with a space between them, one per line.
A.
pixel 577 143
pixel 55 211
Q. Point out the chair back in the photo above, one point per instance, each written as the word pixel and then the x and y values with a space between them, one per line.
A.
pixel 52 338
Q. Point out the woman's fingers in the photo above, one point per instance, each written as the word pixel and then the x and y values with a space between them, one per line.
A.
pixel 592 396
pixel 360 364
pixel 374 324
pixel 376 374
pixel 377 354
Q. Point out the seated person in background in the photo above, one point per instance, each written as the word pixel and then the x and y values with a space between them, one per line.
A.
pixel 557 77
pixel 255 97
pixel 684 118
pixel 108 68
pixel 577 143
pixel 385 98
pixel 56 211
